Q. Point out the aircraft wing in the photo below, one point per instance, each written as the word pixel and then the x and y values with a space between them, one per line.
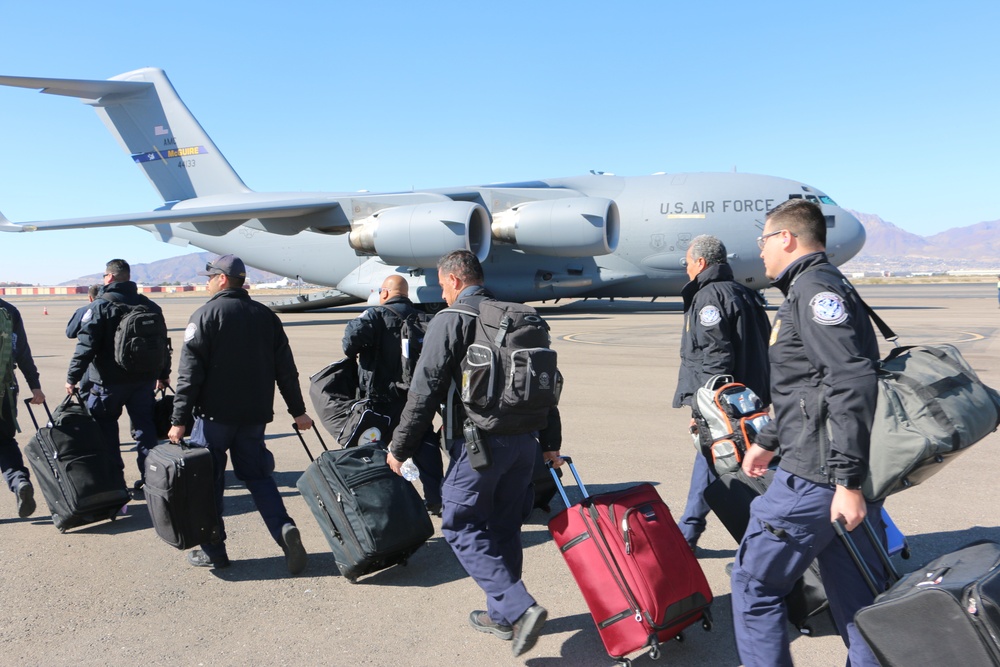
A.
pixel 285 216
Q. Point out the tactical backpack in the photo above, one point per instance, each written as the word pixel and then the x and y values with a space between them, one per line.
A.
pixel 7 359
pixel 509 376
pixel 141 344
pixel 729 416
pixel 413 327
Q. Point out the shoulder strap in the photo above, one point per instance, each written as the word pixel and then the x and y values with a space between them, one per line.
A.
pixel 883 328
pixel 462 308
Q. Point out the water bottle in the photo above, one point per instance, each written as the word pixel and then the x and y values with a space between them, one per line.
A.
pixel 409 470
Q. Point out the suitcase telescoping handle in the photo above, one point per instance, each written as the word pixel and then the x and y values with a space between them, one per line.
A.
pixel 295 427
pixel 27 404
pixel 859 561
pixel 559 484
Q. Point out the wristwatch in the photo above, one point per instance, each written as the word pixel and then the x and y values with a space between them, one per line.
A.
pixel 852 483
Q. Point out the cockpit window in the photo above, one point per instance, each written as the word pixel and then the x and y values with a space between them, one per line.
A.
pixel 812 198
pixel 795 196
pixel 827 200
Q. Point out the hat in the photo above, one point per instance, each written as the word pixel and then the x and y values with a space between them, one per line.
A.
pixel 229 265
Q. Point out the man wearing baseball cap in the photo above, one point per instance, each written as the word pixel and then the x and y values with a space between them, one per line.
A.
pixel 234 352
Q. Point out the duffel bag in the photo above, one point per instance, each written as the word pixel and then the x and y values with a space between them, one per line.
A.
pixel 931 406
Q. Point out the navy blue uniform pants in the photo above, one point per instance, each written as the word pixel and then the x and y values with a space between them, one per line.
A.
pixel 789 528
pixel 692 524
pixel 106 403
pixel 252 465
pixel 11 461
pixel 482 517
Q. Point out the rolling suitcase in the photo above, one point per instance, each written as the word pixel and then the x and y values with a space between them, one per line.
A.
pixel 640 579
pixel 372 517
pixel 947 612
pixel 80 481
pixel 730 496
pixel 180 495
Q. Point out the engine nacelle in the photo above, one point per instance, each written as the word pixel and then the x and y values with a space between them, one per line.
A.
pixel 418 235
pixel 571 227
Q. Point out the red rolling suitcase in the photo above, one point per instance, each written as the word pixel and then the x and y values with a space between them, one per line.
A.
pixel 640 579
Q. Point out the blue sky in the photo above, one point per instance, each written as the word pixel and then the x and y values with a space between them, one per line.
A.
pixel 890 108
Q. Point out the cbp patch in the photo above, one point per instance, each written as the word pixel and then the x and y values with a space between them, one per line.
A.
pixel 774 332
pixel 709 316
pixel 87 316
pixel 828 308
pixel 190 332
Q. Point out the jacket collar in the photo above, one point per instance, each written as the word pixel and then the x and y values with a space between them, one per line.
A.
pixel 712 274
pixel 124 288
pixel 237 293
pixel 798 267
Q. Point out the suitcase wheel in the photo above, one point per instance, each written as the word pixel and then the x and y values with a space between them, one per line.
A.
pixel 706 620
pixel 905 553
pixel 679 638
pixel 58 523
pixel 624 662
pixel 805 630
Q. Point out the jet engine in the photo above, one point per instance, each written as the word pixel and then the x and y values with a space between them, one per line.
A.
pixel 418 235
pixel 571 227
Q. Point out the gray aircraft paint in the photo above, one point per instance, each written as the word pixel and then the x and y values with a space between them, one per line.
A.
pixel 635 249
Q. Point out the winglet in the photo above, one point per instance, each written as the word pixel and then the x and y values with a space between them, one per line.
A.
pixel 8 226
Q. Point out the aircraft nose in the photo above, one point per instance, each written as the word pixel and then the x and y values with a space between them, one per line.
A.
pixel 846 237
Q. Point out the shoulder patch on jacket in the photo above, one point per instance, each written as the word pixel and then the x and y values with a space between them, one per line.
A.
pixel 709 316
pixel 190 332
pixel 87 316
pixel 828 308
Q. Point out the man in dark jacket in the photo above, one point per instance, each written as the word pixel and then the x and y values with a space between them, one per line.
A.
pixel 73 329
pixel 375 337
pixel 11 462
pixel 113 388
pixel 823 357
pixel 234 352
pixel 483 510
pixel 725 333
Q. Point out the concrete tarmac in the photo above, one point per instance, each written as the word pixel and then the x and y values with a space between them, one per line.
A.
pixel 114 594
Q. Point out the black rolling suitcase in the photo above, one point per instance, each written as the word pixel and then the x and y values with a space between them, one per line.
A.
pixel 372 517
pixel 180 495
pixel 947 612
pixel 80 481
pixel 730 496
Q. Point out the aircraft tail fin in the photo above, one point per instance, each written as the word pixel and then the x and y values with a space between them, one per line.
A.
pixel 154 127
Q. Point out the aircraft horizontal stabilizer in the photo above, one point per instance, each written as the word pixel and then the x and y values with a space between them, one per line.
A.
pixel 82 88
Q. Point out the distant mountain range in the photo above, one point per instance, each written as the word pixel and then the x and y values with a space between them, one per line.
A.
pixel 888 248
pixel 182 270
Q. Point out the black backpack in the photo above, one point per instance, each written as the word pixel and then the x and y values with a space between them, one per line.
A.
pixel 413 328
pixel 141 344
pixel 509 377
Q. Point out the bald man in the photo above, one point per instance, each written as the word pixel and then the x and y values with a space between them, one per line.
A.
pixel 375 338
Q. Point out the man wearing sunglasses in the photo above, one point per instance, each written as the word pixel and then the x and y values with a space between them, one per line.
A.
pixel 235 350
pixel 114 388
